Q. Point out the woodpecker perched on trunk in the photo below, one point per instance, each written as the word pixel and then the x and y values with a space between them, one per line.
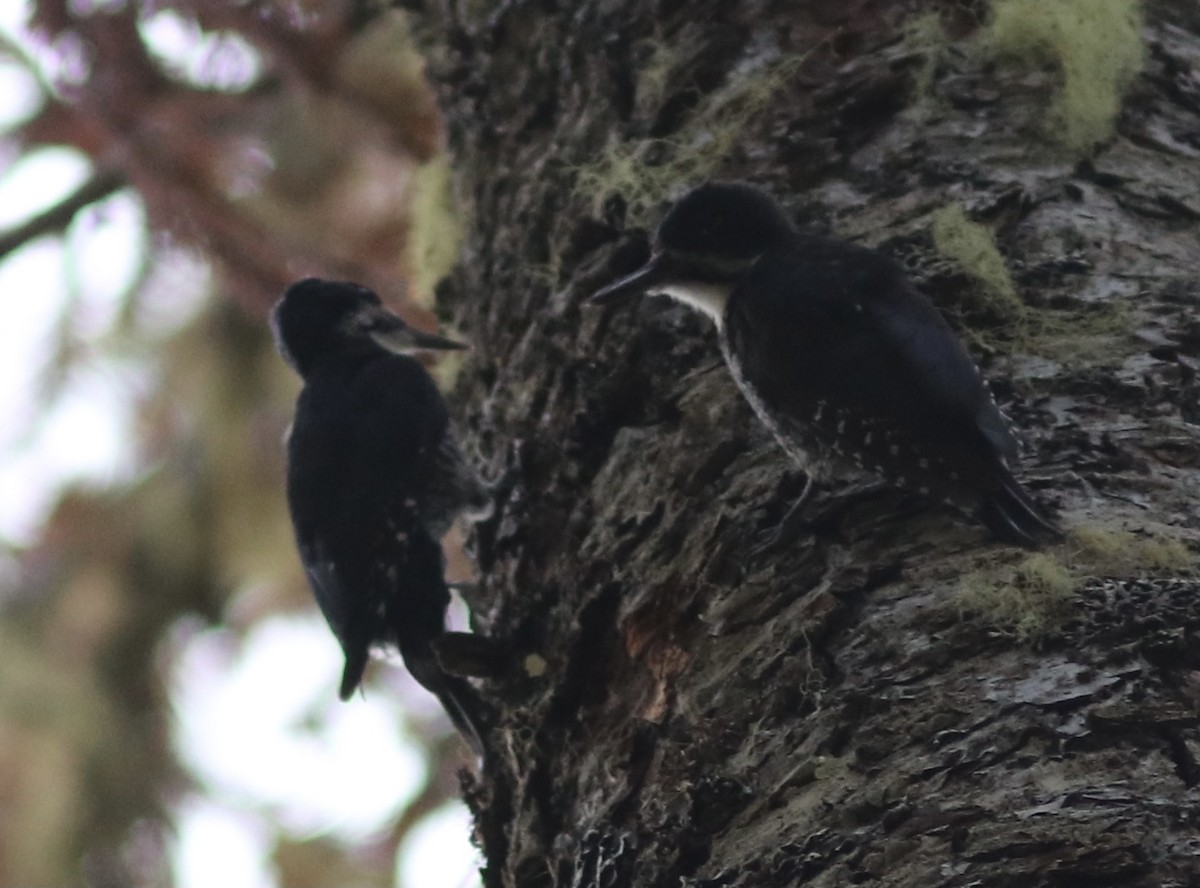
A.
pixel 375 478
pixel 840 357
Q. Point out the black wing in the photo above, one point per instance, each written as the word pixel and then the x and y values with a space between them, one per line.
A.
pixel 453 488
pixel 832 335
pixel 838 323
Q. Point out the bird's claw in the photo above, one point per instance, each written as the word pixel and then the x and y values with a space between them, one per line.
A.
pixel 786 531
pixel 469 655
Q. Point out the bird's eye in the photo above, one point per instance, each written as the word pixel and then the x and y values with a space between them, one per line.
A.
pixel 360 322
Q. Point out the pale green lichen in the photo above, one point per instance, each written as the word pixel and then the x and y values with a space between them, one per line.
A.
pixel 1027 598
pixel 1063 334
pixel 1102 552
pixel 925 35
pixel 973 248
pixel 435 231
pixel 448 366
pixel 1097 47
pixel 1032 596
pixel 645 172
pixel 1075 336
pixel 656 76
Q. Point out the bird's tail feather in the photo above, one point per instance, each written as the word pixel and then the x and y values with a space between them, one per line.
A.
pixel 1010 514
pixel 352 673
pixel 463 704
pixel 466 709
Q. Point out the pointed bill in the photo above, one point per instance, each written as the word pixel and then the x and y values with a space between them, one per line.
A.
pixel 434 342
pixel 406 339
pixel 391 333
pixel 651 275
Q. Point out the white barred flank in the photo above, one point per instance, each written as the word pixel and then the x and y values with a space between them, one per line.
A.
pixel 806 460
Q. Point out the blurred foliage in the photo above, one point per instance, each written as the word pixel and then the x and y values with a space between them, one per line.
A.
pixel 294 145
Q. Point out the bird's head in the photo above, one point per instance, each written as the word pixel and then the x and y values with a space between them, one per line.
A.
pixel 314 318
pixel 707 241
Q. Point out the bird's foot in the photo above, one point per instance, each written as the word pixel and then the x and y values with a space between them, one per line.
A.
pixel 800 519
pixel 789 528
pixel 783 533
pixel 469 655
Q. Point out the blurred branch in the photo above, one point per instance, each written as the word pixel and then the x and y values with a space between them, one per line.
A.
pixel 60 215
pixel 17 53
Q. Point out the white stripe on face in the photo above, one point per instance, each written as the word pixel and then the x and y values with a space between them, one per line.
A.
pixel 708 298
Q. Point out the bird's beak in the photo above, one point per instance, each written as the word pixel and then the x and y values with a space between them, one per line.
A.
pixel 653 274
pixel 433 342
pixel 391 333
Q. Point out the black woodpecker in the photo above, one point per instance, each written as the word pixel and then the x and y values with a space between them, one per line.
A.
pixel 840 357
pixel 375 478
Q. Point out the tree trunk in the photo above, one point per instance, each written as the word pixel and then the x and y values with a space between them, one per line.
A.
pixel 894 697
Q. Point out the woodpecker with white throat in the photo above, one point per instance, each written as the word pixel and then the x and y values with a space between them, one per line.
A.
pixel 375 478
pixel 848 365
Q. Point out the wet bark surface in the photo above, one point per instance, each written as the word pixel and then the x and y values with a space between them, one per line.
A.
pixel 680 710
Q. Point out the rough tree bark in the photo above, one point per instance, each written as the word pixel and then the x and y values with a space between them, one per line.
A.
pixel 895 698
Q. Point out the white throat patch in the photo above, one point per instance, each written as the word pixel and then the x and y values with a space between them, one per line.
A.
pixel 708 298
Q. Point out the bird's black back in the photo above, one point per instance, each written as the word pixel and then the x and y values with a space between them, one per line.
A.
pixel 839 347
pixel 363 447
